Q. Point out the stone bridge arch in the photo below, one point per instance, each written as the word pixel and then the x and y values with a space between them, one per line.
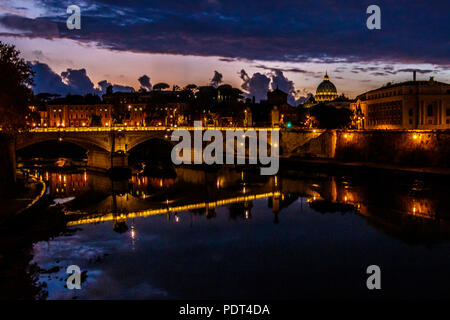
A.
pixel 84 141
pixel 135 140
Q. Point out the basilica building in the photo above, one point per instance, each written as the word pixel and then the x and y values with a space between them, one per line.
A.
pixel 326 91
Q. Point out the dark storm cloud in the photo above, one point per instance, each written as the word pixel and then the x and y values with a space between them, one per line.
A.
pixel 390 70
pixel 340 69
pixel 364 69
pixel 293 70
pixel 256 85
pixel 380 74
pixel 78 81
pixel 227 59
pixel 71 81
pixel 279 81
pixel 39 27
pixel 422 71
pixel 104 84
pixel 145 82
pixel 216 79
pixel 45 80
pixel 319 31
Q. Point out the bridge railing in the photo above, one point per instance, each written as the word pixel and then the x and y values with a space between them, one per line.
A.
pixel 129 128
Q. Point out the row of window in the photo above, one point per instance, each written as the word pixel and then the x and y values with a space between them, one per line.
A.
pixel 385 94
pixel 429 111
pixel 385 113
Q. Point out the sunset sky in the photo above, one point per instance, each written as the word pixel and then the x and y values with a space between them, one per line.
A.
pixel 288 43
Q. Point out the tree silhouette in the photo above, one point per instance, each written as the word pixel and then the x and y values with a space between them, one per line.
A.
pixel 160 86
pixel 329 117
pixel 16 79
pixel 190 87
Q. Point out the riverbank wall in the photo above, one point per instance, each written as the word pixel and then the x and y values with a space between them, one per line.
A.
pixel 405 148
pixel 416 148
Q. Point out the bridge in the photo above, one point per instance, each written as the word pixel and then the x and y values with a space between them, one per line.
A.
pixel 108 147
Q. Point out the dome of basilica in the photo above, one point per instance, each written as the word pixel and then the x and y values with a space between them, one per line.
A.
pixel 326 91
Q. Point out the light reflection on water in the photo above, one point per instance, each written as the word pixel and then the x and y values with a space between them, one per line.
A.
pixel 233 234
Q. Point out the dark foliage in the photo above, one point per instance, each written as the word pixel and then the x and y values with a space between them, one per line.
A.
pixel 329 117
pixel 16 79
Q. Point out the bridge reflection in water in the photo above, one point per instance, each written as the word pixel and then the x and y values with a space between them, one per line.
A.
pixel 413 207
pixel 174 209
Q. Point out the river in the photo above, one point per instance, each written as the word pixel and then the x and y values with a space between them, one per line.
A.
pixel 233 234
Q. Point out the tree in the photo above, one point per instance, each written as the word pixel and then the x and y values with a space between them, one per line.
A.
pixel 160 86
pixel 16 78
pixel 329 117
pixel 190 87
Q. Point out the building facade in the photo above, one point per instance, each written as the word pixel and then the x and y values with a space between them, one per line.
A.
pixel 101 115
pixel 78 115
pixel 406 105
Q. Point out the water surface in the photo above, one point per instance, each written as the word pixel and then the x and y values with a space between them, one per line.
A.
pixel 234 234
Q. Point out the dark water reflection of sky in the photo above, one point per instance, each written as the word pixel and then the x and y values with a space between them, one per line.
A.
pixel 238 251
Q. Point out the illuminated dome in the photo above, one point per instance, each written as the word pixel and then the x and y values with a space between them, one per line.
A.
pixel 326 91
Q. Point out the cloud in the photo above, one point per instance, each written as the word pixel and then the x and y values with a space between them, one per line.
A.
pixel 324 31
pixel 410 70
pixel 216 79
pixel 145 82
pixel 284 84
pixel 45 80
pixel 302 99
pixel 259 84
pixel 227 59
pixel 293 69
pixel 255 86
pixel 71 81
pixel 104 84
pixel 78 81
pixel 380 74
